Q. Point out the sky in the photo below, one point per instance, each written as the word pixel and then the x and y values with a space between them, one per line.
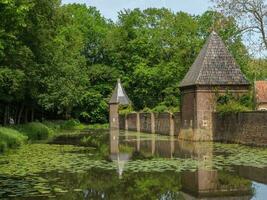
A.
pixel 110 8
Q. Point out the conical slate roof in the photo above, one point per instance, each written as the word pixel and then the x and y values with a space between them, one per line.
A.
pixel 119 95
pixel 214 66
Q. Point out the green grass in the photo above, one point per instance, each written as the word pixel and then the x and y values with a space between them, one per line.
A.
pixel 15 136
pixel 11 139
pixel 59 126
pixel 36 131
pixel 92 126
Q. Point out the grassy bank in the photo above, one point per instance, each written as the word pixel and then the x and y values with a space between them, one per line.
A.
pixel 11 139
pixel 14 136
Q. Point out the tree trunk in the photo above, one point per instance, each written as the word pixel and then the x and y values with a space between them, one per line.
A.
pixel 26 115
pixel 20 113
pixel 32 114
pixel 5 115
pixel 15 114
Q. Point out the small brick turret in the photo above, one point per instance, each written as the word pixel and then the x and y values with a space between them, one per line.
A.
pixel 119 97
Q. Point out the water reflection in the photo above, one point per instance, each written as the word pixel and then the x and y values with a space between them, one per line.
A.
pixel 120 158
pixel 115 155
pixel 200 184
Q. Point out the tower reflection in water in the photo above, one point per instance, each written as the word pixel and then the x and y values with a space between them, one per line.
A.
pixel 201 184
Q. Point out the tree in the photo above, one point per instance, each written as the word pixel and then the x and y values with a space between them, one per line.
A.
pixel 229 31
pixel 64 81
pixel 251 16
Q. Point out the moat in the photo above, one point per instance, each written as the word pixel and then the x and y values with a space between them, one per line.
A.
pixel 103 164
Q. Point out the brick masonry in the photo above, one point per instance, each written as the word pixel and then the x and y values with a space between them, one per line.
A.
pixel 122 122
pixel 197 107
pixel 177 123
pixel 161 123
pixel 246 128
pixel 132 121
pixel 146 122
pixel 114 116
pixel 164 123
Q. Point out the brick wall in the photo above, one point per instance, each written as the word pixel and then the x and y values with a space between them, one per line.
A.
pixel 122 122
pixel 177 123
pixel 145 122
pixel 132 121
pixel 163 123
pixel 245 128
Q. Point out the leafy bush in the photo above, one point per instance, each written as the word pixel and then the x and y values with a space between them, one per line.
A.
pixel 146 110
pixel 124 110
pixel 10 138
pixel 229 103
pixel 99 141
pixel 3 146
pixel 231 107
pixel 36 131
pixel 94 108
pixel 69 124
pixel 160 108
pixel 54 125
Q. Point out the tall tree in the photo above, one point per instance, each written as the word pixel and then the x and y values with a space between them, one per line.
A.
pixel 251 16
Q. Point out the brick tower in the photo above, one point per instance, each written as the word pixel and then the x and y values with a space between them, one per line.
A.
pixel 214 71
pixel 119 97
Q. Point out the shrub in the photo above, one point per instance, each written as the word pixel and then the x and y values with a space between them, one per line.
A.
pixel 160 108
pixel 231 107
pixel 54 125
pixel 10 138
pixel 36 131
pixel 70 124
pixel 229 103
pixel 3 146
pixel 146 110
pixel 124 110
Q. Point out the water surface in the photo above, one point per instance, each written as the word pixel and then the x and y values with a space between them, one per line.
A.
pixel 128 165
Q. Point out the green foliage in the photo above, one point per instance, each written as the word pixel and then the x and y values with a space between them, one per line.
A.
pixel 160 108
pixel 146 109
pixel 95 108
pixel 229 103
pixel 124 110
pixel 65 59
pixel 99 141
pixel 232 181
pixel 70 124
pixel 232 107
pixel 257 69
pixel 12 84
pixel 10 139
pixel 3 146
pixel 36 131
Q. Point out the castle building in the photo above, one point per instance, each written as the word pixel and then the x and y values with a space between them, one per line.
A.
pixel 214 72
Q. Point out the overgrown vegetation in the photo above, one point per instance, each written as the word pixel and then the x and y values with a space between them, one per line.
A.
pixel 14 136
pixel 36 131
pixel 63 60
pixel 99 141
pixel 230 103
pixel 10 139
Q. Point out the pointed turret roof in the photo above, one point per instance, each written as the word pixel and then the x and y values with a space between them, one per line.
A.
pixel 119 95
pixel 214 66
